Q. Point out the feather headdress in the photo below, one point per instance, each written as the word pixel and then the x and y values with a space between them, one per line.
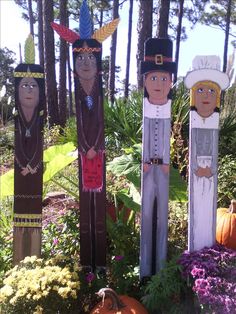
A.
pixel 85 28
pixel 29 53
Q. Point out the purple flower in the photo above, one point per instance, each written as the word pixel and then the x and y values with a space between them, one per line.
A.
pixel 118 257
pixel 213 277
pixel 90 277
pixel 55 241
pixel 198 272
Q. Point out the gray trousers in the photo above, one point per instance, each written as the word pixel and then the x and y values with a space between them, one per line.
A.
pixel 155 185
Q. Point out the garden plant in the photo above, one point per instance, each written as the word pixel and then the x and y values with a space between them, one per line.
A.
pixel 200 282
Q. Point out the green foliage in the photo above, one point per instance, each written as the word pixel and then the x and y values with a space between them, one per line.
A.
pixel 60 230
pixel 56 158
pixel 123 122
pixel 123 243
pixel 226 180
pixel 7 59
pixel 5 237
pixel 163 291
pixel 129 164
pixel 177 228
pixel 69 133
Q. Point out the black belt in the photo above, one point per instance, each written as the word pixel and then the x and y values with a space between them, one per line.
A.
pixel 156 161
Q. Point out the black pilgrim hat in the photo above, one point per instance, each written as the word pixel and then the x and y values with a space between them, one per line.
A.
pixel 158 56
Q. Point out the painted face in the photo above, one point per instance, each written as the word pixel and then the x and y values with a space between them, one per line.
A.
pixel 158 84
pixel 205 99
pixel 86 66
pixel 28 93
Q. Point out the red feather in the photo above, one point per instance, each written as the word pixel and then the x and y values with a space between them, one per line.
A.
pixel 64 32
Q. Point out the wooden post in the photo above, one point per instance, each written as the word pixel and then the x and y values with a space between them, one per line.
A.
pixel 87 48
pixel 206 82
pixel 28 162
pixel 157 69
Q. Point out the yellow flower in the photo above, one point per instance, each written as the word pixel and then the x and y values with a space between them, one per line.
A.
pixel 38 310
pixel 6 290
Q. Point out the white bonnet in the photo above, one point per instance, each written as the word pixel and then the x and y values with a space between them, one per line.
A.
pixel 206 68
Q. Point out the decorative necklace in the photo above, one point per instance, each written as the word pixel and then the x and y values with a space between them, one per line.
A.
pixel 28 129
pixel 88 98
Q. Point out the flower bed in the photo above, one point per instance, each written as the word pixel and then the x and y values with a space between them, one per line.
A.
pixel 212 275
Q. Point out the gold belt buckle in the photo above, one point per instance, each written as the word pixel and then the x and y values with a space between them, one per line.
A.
pixel 159 59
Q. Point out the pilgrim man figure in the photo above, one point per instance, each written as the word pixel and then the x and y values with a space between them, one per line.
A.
pixel 28 162
pixel 157 69
pixel 205 82
pixel 87 50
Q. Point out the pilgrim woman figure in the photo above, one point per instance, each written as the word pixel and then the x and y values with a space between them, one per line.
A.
pixel 87 50
pixel 157 69
pixel 205 82
pixel 28 162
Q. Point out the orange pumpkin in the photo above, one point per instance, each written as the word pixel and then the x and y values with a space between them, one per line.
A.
pixel 226 226
pixel 114 304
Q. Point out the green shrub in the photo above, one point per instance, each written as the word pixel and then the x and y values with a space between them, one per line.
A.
pixel 226 180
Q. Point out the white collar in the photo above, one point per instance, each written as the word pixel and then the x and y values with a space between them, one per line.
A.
pixel 211 122
pixel 156 111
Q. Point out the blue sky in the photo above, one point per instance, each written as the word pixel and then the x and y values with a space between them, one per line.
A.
pixel 202 40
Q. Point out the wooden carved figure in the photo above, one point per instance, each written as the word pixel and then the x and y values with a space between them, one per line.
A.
pixel 157 69
pixel 28 162
pixel 205 82
pixel 87 50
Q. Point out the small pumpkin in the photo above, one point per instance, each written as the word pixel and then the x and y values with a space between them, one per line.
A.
pixel 226 226
pixel 113 304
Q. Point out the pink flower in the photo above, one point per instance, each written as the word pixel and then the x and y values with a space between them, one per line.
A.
pixel 55 241
pixel 90 277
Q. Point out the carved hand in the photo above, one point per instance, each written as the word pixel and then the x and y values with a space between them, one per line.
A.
pixel 91 153
pixel 165 168
pixel 25 171
pixel 146 167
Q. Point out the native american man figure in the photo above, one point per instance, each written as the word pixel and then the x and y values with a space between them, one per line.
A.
pixel 87 50
pixel 157 69
pixel 206 82
pixel 28 168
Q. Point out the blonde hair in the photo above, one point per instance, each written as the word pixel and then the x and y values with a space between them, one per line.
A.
pixel 210 84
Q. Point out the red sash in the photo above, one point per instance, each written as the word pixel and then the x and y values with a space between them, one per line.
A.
pixel 92 172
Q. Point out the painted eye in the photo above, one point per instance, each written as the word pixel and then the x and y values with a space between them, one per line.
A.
pixel 24 85
pixel 91 57
pixel 200 90
pixel 80 58
pixel 163 78
pixel 153 78
pixel 211 91
pixel 32 86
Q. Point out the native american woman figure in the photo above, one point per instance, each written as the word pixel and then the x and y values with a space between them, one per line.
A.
pixel 206 82
pixel 157 69
pixel 28 162
pixel 90 125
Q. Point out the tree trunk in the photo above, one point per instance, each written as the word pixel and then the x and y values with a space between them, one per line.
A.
pixel 144 29
pixel 113 55
pixel 178 37
pixel 40 32
pixel 31 17
pixel 51 86
pixel 128 49
pixel 62 74
pixel 227 28
pixel 162 29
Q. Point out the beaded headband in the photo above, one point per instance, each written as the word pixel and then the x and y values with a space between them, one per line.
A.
pixel 87 49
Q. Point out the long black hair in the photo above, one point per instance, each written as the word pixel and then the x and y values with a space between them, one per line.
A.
pixel 33 68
